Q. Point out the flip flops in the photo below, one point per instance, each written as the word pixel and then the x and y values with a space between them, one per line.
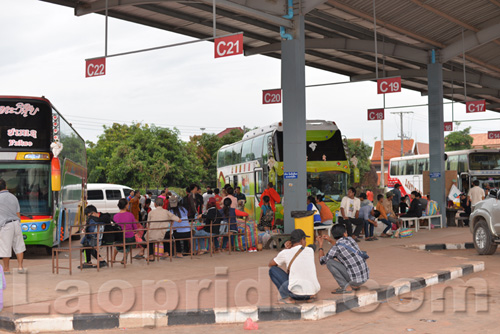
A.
pixel 138 256
pixel 340 291
pixel 21 271
pixel 87 266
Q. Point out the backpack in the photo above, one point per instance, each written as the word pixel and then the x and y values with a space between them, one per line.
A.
pixel 267 218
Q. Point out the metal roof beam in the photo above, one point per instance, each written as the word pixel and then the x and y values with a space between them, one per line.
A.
pixel 346 44
pixel 470 42
pixel 472 78
pixel 308 5
pixel 100 5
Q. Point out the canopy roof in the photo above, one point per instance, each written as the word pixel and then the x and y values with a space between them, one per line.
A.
pixel 340 35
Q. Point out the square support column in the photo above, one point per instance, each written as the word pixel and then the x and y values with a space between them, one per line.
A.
pixel 294 121
pixel 436 137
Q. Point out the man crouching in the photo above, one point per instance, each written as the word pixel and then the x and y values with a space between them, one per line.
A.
pixel 343 260
pixel 299 282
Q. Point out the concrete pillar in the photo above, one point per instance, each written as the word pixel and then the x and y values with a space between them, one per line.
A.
pixel 294 121
pixel 436 137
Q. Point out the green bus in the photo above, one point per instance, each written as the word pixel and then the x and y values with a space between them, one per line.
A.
pixel 50 189
pixel 257 160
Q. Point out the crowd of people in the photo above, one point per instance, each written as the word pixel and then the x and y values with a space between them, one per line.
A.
pixel 149 224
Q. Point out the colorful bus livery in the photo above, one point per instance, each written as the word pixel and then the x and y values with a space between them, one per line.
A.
pixel 258 159
pixel 40 181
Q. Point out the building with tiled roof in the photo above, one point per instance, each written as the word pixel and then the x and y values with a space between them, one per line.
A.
pixel 481 141
pixel 228 130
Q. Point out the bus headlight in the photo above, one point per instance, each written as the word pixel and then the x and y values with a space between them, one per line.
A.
pixel 24 227
pixel 33 227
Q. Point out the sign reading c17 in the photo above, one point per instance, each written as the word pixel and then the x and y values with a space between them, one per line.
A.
pixel 375 114
pixel 475 106
pixel 389 85
pixel 228 46
pixel 95 67
pixel 271 96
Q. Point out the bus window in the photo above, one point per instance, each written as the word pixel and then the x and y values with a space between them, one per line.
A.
pixel 246 151
pixel 220 158
pixel 462 163
pixel 235 181
pixel 421 166
pixel 235 154
pixel 394 167
pixel 266 154
pixel 258 182
pixel 410 166
pixel 257 148
pixel 453 162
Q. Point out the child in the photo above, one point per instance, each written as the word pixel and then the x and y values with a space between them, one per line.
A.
pixel 403 206
pixel 3 285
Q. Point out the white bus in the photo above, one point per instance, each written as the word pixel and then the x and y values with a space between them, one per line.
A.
pixel 476 164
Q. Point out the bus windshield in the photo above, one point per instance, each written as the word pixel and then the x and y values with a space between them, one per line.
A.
pixel 484 161
pixel 30 184
pixel 330 184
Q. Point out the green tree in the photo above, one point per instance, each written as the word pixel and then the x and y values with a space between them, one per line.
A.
pixel 142 156
pixel 458 140
pixel 362 152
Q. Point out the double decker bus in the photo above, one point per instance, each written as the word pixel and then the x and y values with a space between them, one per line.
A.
pixel 50 189
pixel 481 164
pixel 257 160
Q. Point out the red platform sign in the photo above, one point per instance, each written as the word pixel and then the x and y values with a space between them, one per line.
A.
pixel 493 134
pixel 375 114
pixel 271 96
pixel 389 85
pixel 95 67
pixel 228 46
pixel 448 126
pixel 475 106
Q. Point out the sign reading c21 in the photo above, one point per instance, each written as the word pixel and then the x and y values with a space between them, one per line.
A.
pixel 95 67
pixel 375 114
pixel 475 106
pixel 228 46
pixel 389 85
pixel 271 96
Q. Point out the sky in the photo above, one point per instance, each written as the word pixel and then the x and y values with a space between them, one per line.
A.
pixel 44 46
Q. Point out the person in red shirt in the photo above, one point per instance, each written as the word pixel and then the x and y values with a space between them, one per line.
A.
pixel 218 199
pixel 274 197
pixel 369 195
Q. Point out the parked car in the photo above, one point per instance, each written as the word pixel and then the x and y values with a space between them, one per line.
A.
pixel 105 196
pixel 485 224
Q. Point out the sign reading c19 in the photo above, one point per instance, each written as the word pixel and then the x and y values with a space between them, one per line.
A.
pixel 228 46
pixel 95 67
pixel 389 85
pixel 375 114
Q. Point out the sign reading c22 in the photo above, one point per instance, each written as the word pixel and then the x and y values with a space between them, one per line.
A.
pixel 95 67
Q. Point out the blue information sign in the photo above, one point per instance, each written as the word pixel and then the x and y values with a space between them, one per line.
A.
pixel 291 175
pixel 434 175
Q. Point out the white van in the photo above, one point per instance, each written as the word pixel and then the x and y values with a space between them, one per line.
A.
pixel 105 196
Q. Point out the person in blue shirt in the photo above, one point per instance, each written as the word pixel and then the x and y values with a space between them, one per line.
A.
pixel 311 206
pixel 182 229
pixel 368 214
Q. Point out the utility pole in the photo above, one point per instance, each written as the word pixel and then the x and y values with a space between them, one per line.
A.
pixel 402 133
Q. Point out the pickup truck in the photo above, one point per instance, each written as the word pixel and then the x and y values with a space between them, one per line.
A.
pixel 485 224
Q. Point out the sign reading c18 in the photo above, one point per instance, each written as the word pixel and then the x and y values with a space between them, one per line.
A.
pixel 375 114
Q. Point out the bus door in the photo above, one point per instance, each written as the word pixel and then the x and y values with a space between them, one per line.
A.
pixel 417 183
pixel 464 182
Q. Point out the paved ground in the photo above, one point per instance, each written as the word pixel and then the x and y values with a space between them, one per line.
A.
pixel 389 260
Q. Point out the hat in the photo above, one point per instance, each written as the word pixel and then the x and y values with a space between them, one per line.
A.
pixel 389 194
pixel 297 235
pixel 212 200
pixel 173 201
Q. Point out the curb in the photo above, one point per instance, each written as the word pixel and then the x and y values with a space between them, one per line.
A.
pixel 452 246
pixel 314 311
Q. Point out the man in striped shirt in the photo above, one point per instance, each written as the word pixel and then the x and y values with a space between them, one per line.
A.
pixel 343 260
